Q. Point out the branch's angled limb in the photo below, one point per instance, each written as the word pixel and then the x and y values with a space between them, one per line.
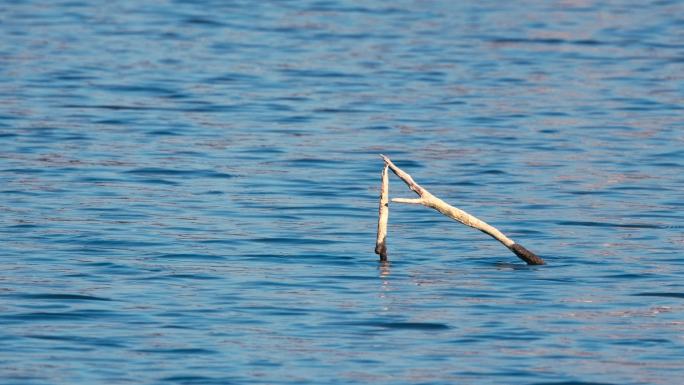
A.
pixel 431 201
pixel 415 187
pixel 383 215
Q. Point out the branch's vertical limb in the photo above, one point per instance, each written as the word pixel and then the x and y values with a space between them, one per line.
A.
pixel 383 215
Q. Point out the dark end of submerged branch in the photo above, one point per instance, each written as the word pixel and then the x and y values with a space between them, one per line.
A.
pixel 526 255
pixel 381 250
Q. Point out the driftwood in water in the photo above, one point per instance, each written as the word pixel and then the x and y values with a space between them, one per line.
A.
pixel 428 200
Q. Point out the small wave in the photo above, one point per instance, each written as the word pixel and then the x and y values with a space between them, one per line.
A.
pixel 64 297
pixel 59 316
pixel 177 351
pixel 401 325
pixel 176 172
pixel 608 224
pixel 298 241
pixel 191 256
pixel 659 294
pixel 572 383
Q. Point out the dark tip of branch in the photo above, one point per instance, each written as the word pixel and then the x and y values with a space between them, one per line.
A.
pixel 526 255
pixel 381 250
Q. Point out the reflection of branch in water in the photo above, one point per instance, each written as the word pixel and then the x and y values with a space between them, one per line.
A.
pixel 428 200
pixel 384 269
pixel 385 287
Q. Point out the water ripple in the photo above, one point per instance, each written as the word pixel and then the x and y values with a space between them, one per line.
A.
pixel 189 192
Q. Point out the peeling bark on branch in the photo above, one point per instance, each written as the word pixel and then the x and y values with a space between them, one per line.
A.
pixel 428 200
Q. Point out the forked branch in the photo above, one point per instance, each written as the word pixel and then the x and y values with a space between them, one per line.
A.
pixel 428 200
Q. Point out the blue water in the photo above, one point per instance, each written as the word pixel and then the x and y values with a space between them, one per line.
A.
pixel 189 191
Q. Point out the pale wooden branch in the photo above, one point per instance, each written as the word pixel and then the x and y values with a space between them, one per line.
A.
pixel 431 201
pixel 383 215
pixel 415 201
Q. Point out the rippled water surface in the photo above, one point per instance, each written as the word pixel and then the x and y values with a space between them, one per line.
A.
pixel 189 192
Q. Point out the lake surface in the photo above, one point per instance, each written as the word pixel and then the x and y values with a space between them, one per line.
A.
pixel 189 192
